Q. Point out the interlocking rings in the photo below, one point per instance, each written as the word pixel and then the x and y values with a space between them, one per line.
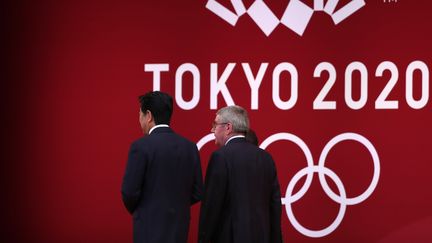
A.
pixel 322 171
pixel 289 199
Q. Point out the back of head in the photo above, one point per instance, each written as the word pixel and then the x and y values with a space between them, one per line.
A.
pixel 251 137
pixel 159 104
pixel 237 116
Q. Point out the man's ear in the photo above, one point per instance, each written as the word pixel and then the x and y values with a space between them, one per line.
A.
pixel 229 128
pixel 150 117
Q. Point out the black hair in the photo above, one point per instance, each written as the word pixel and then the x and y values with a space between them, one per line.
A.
pixel 160 105
pixel 251 137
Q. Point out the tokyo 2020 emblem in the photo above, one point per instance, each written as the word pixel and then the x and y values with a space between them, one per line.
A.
pixel 296 15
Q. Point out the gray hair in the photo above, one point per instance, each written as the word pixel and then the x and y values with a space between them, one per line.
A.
pixel 235 115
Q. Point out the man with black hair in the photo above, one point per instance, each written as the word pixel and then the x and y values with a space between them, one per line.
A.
pixel 163 176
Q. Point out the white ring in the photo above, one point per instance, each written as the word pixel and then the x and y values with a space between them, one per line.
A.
pixel 376 162
pixel 342 209
pixel 207 138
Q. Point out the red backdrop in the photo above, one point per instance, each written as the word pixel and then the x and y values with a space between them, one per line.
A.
pixel 74 70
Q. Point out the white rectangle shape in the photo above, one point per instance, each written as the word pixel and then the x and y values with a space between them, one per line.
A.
pixel 318 5
pixel 330 6
pixel 239 7
pixel 297 16
pixel 263 17
pixel 347 10
pixel 222 12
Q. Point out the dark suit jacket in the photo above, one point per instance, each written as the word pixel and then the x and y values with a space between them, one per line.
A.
pixel 162 180
pixel 241 202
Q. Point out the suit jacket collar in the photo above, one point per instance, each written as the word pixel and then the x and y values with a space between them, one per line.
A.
pixel 236 140
pixel 161 130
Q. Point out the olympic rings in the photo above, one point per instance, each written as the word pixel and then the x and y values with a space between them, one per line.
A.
pixel 322 171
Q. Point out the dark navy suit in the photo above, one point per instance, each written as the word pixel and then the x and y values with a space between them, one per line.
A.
pixel 241 202
pixel 162 180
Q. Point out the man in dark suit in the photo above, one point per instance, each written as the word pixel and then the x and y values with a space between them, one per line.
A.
pixel 241 200
pixel 163 176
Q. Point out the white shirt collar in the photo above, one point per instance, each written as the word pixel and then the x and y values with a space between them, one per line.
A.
pixel 160 125
pixel 236 136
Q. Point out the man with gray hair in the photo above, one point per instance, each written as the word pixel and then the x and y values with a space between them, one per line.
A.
pixel 241 200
